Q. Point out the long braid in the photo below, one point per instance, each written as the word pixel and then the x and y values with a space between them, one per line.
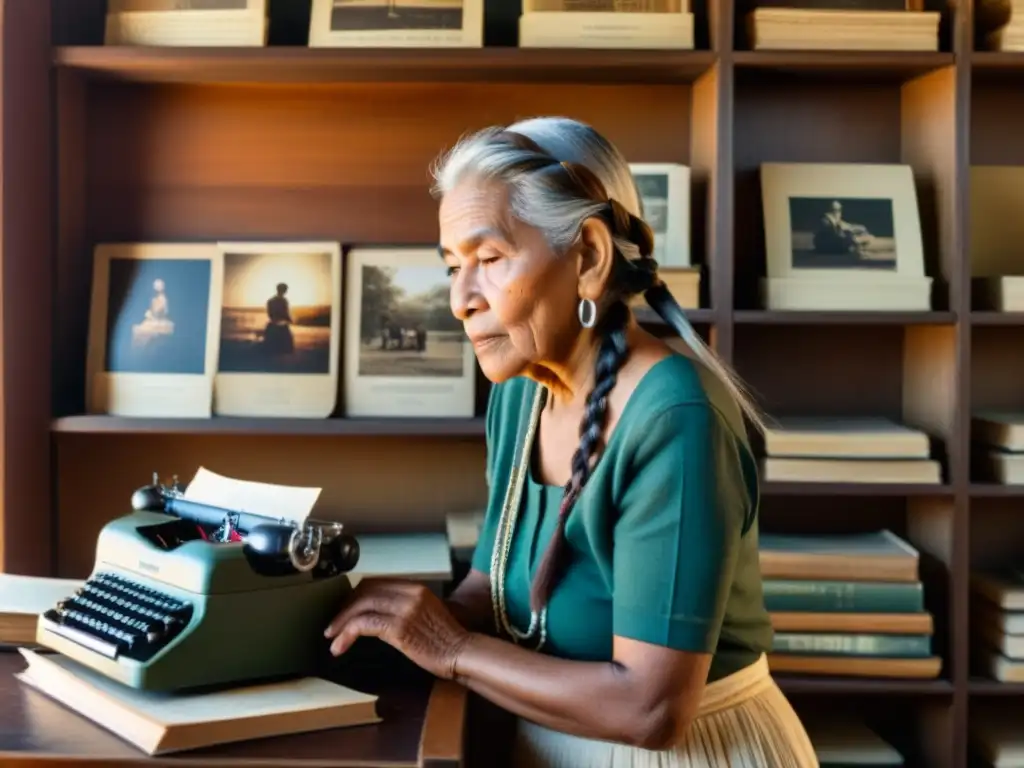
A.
pixel 612 354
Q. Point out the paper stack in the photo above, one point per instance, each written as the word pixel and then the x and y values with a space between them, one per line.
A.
pixel 833 29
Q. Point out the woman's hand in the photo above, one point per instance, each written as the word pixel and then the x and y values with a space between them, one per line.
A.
pixel 406 616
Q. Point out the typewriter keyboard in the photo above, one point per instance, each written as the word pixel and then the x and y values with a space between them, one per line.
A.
pixel 118 617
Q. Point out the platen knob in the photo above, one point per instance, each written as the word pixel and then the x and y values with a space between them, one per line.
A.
pixel 148 498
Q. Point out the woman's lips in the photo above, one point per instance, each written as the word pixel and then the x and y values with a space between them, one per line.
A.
pixel 481 342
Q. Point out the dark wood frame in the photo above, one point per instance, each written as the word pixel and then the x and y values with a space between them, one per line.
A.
pixel 937 111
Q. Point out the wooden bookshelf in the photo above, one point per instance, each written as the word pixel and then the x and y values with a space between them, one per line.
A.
pixel 102 144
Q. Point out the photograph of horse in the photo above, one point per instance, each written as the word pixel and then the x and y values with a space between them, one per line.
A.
pixel 406 324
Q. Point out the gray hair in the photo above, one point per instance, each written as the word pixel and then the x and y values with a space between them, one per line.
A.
pixel 542 199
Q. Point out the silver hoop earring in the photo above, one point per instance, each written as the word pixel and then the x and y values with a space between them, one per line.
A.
pixel 587 313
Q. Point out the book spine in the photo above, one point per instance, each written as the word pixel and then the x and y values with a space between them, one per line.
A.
pixel 808 596
pixel 886 646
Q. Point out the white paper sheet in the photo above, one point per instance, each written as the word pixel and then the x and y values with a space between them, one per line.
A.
pixel 289 502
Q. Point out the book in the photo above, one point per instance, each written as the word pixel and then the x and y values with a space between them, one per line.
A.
pixel 855 666
pixel 416 556
pixel 821 596
pixel 871 623
pixel 846 742
pixel 23 598
pixel 817 437
pixel 874 556
pixel 853 644
pixel 783 470
pixel 161 723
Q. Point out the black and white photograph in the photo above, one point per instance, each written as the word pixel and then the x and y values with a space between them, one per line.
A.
pixel 276 313
pixel 157 316
pixel 131 6
pixel 842 233
pixel 406 326
pixel 653 188
pixel 387 15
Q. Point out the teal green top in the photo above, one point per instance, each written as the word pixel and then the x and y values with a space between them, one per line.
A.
pixel 663 538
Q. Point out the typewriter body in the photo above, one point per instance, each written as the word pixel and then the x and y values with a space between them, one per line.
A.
pixel 185 595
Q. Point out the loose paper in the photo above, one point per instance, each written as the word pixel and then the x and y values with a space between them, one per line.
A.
pixel 287 502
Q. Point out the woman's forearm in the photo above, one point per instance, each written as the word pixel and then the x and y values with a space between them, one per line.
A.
pixel 591 699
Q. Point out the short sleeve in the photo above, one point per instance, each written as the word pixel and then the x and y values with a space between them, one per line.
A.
pixel 485 541
pixel 677 536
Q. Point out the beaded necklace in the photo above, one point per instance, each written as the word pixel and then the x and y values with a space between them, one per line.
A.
pixel 506 532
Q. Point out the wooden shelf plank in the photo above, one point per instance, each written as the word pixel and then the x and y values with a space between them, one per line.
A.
pixel 854 489
pixel 989 490
pixel 777 317
pixel 997 318
pixel 1007 61
pixel 649 316
pixel 221 425
pixel 986 687
pixel 319 65
pixel 794 684
pixel 882 65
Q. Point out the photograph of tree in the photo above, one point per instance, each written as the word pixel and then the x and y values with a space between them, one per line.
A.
pixel 406 325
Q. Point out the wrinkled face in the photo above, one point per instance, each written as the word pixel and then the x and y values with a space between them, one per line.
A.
pixel 515 296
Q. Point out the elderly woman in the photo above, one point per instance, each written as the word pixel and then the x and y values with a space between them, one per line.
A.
pixel 615 599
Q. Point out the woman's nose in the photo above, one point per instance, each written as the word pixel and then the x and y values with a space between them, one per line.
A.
pixel 465 294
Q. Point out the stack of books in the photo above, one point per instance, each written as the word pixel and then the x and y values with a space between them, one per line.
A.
pixel 1003 436
pixel 847 604
pixel 840 29
pixel 998 622
pixel 847 450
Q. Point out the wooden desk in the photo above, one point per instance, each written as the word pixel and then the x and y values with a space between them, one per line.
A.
pixel 423 727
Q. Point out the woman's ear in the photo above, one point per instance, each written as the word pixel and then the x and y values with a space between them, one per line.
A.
pixel 596 259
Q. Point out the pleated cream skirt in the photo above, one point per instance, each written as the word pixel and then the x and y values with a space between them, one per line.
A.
pixel 744 721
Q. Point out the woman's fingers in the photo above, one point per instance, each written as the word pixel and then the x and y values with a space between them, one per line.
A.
pixel 380 598
pixel 366 624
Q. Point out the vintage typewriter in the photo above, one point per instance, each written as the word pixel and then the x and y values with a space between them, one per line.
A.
pixel 188 595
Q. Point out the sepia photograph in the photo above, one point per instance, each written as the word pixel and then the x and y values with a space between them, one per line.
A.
pixel 842 233
pixel 276 313
pixel 653 189
pixel 608 6
pixel 386 15
pixel 406 326
pixel 157 315
pixel 131 6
